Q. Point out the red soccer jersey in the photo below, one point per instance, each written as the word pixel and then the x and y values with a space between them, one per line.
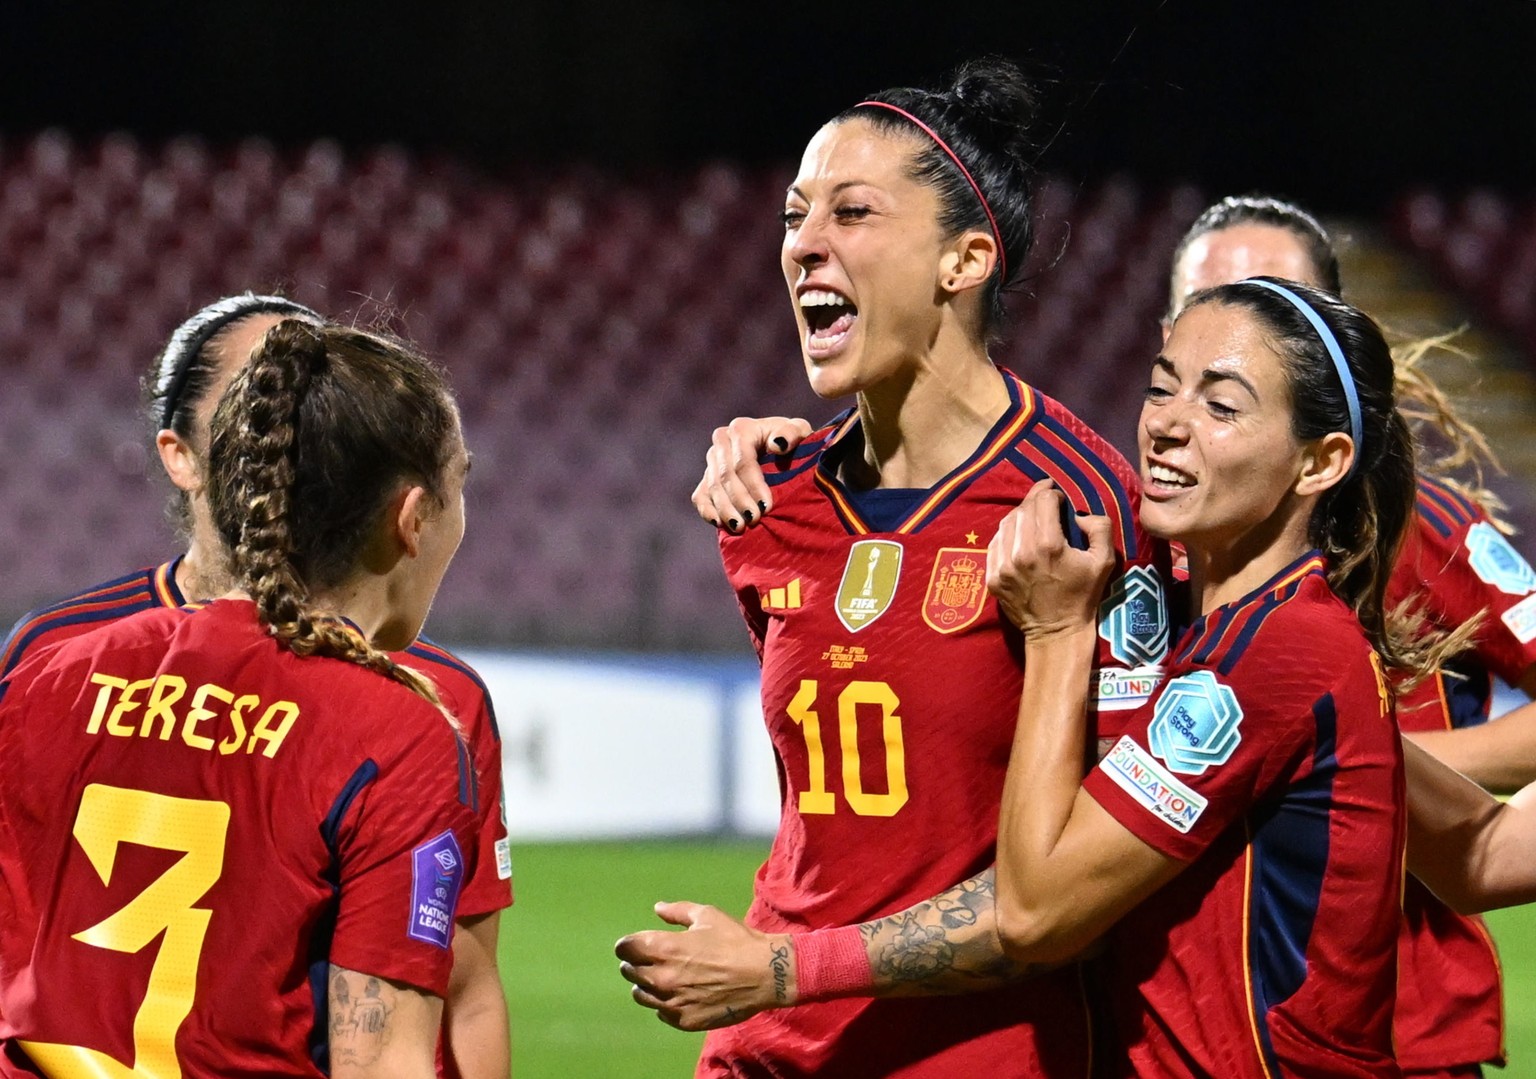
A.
pixel 1454 564
pixel 459 686
pixel 195 823
pixel 891 691
pixel 1269 761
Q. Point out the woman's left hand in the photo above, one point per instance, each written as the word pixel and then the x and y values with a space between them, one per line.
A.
pixel 1043 584
pixel 715 974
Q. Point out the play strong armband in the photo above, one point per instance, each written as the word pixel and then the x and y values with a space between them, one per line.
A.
pixel 830 963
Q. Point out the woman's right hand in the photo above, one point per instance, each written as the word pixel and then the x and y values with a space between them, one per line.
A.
pixel 1044 585
pixel 733 494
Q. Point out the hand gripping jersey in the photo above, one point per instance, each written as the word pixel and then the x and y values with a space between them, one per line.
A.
pixel 891 691
pixel 1454 564
pixel 196 822
pixel 459 686
pixel 1269 761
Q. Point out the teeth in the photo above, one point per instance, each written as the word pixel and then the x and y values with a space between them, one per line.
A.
pixel 1168 475
pixel 822 298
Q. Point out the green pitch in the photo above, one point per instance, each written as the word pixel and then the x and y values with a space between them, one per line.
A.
pixel 571 1012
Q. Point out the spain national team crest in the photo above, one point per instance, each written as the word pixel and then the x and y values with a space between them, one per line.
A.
pixel 957 590
pixel 1133 619
pixel 869 582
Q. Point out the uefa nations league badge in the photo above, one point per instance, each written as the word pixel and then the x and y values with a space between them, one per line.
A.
pixel 437 873
pixel 1195 724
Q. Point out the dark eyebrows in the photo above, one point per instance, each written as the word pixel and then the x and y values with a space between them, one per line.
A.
pixel 794 189
pixel 1208 376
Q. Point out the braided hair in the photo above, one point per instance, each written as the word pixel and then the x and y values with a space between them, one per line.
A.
pixel 309 444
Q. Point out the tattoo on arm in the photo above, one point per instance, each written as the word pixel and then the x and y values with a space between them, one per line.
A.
pixel 948 944
pixel 780 965
pixel 361 1009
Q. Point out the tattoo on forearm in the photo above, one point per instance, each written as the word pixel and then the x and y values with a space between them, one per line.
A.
pixel 948 944
pixel 780 965
pixel 361 1008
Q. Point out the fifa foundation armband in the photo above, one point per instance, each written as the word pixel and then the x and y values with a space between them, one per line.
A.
pixel 830 963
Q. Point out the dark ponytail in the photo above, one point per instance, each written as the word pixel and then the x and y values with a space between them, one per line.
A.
pixel 983 115
pixel 308 446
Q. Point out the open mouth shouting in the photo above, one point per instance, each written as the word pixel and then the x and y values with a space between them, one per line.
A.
pixel 829 318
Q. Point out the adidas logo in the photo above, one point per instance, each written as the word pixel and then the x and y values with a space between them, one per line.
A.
pixel 786 598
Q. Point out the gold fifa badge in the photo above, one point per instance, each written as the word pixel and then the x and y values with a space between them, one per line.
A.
pixel 957 591
pixel 869 582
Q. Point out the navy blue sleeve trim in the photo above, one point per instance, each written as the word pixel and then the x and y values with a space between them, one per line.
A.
pixel 319 953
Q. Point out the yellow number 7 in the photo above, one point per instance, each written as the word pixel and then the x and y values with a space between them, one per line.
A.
pixel 110 816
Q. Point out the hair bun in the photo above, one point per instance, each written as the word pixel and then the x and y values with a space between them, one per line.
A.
pixel 994 94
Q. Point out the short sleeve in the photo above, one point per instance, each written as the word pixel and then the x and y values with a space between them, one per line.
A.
pixel 489 887
pixel 406 847
pixel 1474 568
pixel 1196 757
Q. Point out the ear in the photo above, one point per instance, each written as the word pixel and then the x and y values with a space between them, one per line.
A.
pixel 413 509
pixel 180 463
pixel 1324 463
pixel 968 263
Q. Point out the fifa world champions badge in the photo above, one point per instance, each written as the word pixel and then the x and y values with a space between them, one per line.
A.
pixel 957 589
pixel 1195 724
pixel 1496 562
pixel 437 874
pixel 869 582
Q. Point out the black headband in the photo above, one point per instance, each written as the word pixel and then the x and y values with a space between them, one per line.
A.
pixel 190 337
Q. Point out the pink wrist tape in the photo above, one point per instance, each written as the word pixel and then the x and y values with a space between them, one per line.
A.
pixel 830 963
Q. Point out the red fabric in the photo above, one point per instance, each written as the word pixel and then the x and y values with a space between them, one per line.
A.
pixel 927 695
pixel 830 962
pixel 324 851
pixel 1274 953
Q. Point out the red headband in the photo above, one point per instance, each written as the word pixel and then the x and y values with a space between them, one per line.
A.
pixel 1002 256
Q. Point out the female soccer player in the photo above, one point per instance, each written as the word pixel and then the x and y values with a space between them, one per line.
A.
pixel 890 685
pixel 181 389
pixel 235 833
pixel 1245 830
pixel 1455 569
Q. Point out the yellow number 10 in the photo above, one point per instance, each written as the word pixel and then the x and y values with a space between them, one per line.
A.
pixel 110 816
pixel 816 798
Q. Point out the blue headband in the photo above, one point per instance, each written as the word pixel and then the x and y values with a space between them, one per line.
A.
pixel 1331 343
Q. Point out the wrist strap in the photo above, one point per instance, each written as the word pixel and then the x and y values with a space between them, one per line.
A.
pixel 830 963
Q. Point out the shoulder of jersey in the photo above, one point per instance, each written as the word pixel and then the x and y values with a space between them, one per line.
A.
pixel 1443 510
pixel 78 614
pixel 1057 417
pixel 802 460
pixel 1295 628
pixel 457 679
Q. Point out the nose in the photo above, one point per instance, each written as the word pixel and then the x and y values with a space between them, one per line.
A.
pixel 806 246
pixel 1166 421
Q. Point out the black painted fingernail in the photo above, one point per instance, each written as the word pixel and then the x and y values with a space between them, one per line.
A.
pixel 748 515
pixel 762 506
pixel 733 524
pixel 782 443
pixel 714 522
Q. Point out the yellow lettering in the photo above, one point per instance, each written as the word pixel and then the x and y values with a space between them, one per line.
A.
pixel 168 689
pixel 200 712
pixel 107 684
pixel 265 731
pixel 126 704
pixel 237 717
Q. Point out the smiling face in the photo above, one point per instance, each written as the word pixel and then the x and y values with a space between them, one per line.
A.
pixel 863 257
pixel 1220 466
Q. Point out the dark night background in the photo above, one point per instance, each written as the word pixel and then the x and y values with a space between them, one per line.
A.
pixel 1345 104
